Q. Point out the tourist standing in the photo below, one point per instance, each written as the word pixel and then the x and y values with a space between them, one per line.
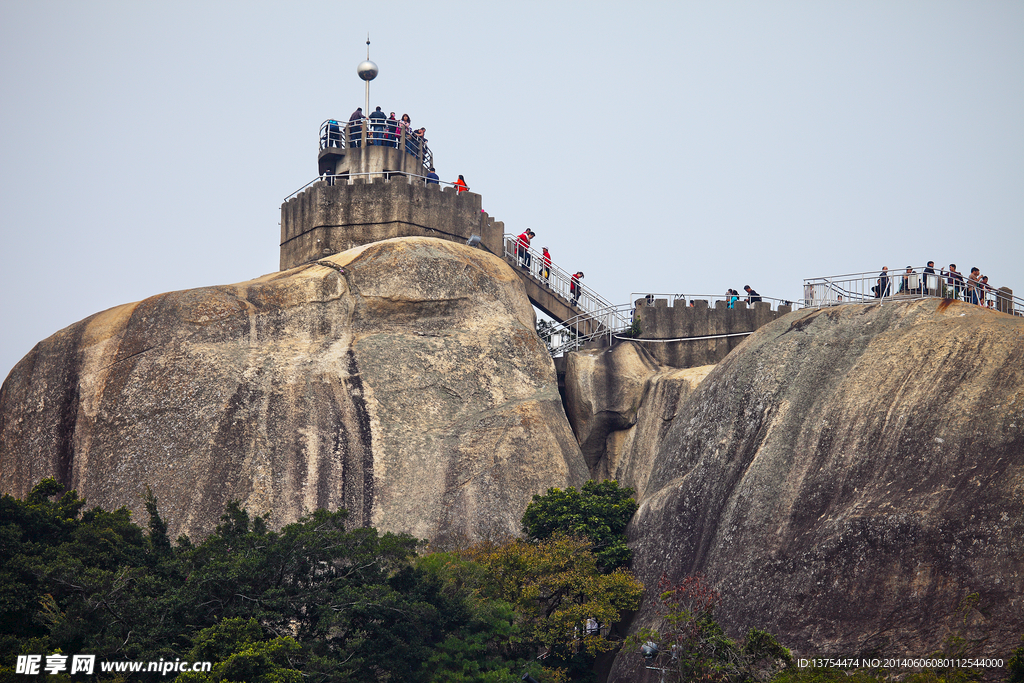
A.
pixel 377 123
pixel 333 137
pixel 545 260
pixel 355 128
pixel 931 282
pixel 955 280
pixel 909 282
pixel 392 134
pixel 405 131
pixel 461 186
pixel 974 286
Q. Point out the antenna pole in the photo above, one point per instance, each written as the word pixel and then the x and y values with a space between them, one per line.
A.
pixel 366 112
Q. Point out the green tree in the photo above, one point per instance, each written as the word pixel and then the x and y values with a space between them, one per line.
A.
pixel 599 511
pixel 557 590
pixel 240 652
pixel 333 603
pixel 491 645
pixel 314 599
pixel 65 576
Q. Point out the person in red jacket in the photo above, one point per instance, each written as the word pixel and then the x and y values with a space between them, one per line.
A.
pixel 460 185
pixel 523 248
pixel 545 270
pixel 574 287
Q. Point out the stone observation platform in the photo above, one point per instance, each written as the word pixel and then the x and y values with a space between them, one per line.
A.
pixel 355 147
pixel 333 216
pixel 373 186
pixel 686 336
pixel 371 189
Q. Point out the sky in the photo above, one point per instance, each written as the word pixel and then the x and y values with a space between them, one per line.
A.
pixel 668 147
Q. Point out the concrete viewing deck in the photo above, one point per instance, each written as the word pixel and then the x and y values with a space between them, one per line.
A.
pixel 331 217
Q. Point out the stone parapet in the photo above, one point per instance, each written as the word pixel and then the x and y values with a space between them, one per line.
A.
pixel 327 219
pixel 664 323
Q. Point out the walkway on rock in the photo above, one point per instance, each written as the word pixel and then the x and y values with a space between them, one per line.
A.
pixel 589 315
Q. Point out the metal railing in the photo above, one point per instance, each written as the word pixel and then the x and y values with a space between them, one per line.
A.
pixel 711 299
pixel 375 132
pixel 615 322
pixel 604 323
pixel 557 280
pixel 349 179
pixel 907 284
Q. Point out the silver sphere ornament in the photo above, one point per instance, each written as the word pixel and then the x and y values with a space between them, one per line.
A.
pixel 367 70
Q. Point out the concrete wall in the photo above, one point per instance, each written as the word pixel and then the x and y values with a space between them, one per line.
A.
pixel 325 220
pixel 369 159
pixel 662 322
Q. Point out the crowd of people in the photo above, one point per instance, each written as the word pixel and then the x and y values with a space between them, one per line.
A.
pixel 947 283
pixel 385 130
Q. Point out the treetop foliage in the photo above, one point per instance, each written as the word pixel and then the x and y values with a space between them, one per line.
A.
pixel 598 511
pixel 314 601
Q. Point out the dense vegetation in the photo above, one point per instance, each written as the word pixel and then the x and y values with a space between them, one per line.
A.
pixel 312 602
pixel 316 602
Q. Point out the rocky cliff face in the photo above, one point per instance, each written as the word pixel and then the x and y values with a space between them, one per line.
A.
pixel 620 404
pixel 402 380
pixel 847 476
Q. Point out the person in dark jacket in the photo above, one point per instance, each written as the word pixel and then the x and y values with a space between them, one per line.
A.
pixel 432 177
pixel 377 122
pixel 956 281
pixel 752 296
pixel 881 289
pixel 333 137
pixel 930 286
pixel 355 129
pixel 392 136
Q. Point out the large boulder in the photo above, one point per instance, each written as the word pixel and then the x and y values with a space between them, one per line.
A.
pixel 603 390
pixel 402 380
pixel 620 404
pixel 632 454
pixel 846 478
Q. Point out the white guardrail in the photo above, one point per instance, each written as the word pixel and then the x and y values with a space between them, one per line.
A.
pixel 349 179
pixel 375 132
pixel 711 299
pixel 908 284
pixel 554 277
pixel 604 323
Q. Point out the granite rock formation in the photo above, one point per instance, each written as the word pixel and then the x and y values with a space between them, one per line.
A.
pixel 402 380
pixel 603 390
pixel 845 478
pixel 620 404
